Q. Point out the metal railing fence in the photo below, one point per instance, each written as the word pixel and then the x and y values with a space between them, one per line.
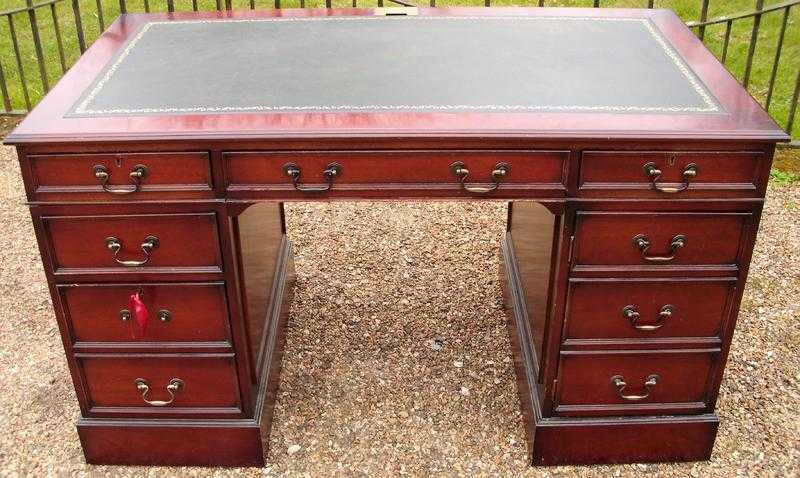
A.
pixel 40 41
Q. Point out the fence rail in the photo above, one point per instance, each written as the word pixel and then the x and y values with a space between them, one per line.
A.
pixel 41 40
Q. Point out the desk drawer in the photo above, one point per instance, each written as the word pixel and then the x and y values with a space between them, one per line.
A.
pixel 658 239
pixel 401 173
pixel 646 310
pixel 624 173
pixel 72 177
pixel 177 312
pixel 122 385
pixel 616 383
pixel 167 243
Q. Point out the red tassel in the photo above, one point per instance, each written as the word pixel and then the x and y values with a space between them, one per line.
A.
pixel 139 313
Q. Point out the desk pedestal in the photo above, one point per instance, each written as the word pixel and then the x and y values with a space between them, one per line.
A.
pixel 568 441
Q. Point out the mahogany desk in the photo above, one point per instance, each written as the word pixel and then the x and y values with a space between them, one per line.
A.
pixel 155 172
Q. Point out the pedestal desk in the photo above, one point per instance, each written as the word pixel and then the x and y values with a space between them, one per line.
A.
pixel 634 164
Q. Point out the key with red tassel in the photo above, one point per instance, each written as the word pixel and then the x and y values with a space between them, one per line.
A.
pixel 139 315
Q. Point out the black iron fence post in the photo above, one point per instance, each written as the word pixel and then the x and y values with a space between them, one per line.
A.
pixel 778 50
pixel 37 44
pixel 20 69
pixel 701 32
pixel 4 89
pixel 76 12
pixel 793 104
pixel 751 51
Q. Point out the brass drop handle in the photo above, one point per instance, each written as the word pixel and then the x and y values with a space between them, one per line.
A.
pixel 115 246
pixel 654 173
pixel 136 175
pixel 175 386
pixel 619 382
pixel 331 172
pixel 630 313
pixel 643 244
pixel 499 172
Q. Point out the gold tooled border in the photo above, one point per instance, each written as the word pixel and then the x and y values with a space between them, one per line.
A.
pixel 710 105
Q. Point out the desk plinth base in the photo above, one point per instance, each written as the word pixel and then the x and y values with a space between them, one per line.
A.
pixel 602 440
pixel 175 442
pixel 202 442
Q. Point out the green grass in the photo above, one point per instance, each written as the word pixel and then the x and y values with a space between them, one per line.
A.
pixel 785 167
pixel 776 176
pixel 687 9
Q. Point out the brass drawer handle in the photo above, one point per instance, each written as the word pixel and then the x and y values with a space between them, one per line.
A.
pixel 115 245
pixel 630 313
pixel 643 244
pixel 619 382
pixel 499 172
pixel 175 386
pixel 654 173
pixel 136 175
pixel 331 172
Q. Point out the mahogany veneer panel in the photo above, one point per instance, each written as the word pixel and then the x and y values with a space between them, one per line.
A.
pixel 261 242
pixel 70 177
pixel 172 442
pixel 210 383
pixel 594 310
pixel 186 242
pixel 427 172
pixel 606 239
pixel 585 387
pixel 646 439
pixel 533 232
pixel 198 312
pixel 622 173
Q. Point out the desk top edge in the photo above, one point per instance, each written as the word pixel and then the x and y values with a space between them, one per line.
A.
pixel 745 119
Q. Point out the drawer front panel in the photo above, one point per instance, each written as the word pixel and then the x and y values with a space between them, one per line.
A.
pixel 177 313
pixel 429 172
pixel 623 173
pixel 586 383
pixel 206 383
pixel 166 175
pixel 186 242
pixel 644 310
pixel 708 239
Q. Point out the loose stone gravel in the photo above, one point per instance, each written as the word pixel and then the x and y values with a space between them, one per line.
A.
pixel 398 360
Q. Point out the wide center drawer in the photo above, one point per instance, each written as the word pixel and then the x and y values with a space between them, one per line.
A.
pixel 177 312
pixel 634 382
pixel 401 173
pixel 168 243
pixel 658 239
pixel 134 385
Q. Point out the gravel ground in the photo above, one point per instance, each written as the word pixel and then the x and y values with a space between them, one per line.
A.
pixel 364 390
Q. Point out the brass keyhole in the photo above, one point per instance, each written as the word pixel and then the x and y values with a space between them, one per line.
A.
pixel 672 159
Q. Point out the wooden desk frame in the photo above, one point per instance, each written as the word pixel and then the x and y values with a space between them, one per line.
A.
pixel 560 430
